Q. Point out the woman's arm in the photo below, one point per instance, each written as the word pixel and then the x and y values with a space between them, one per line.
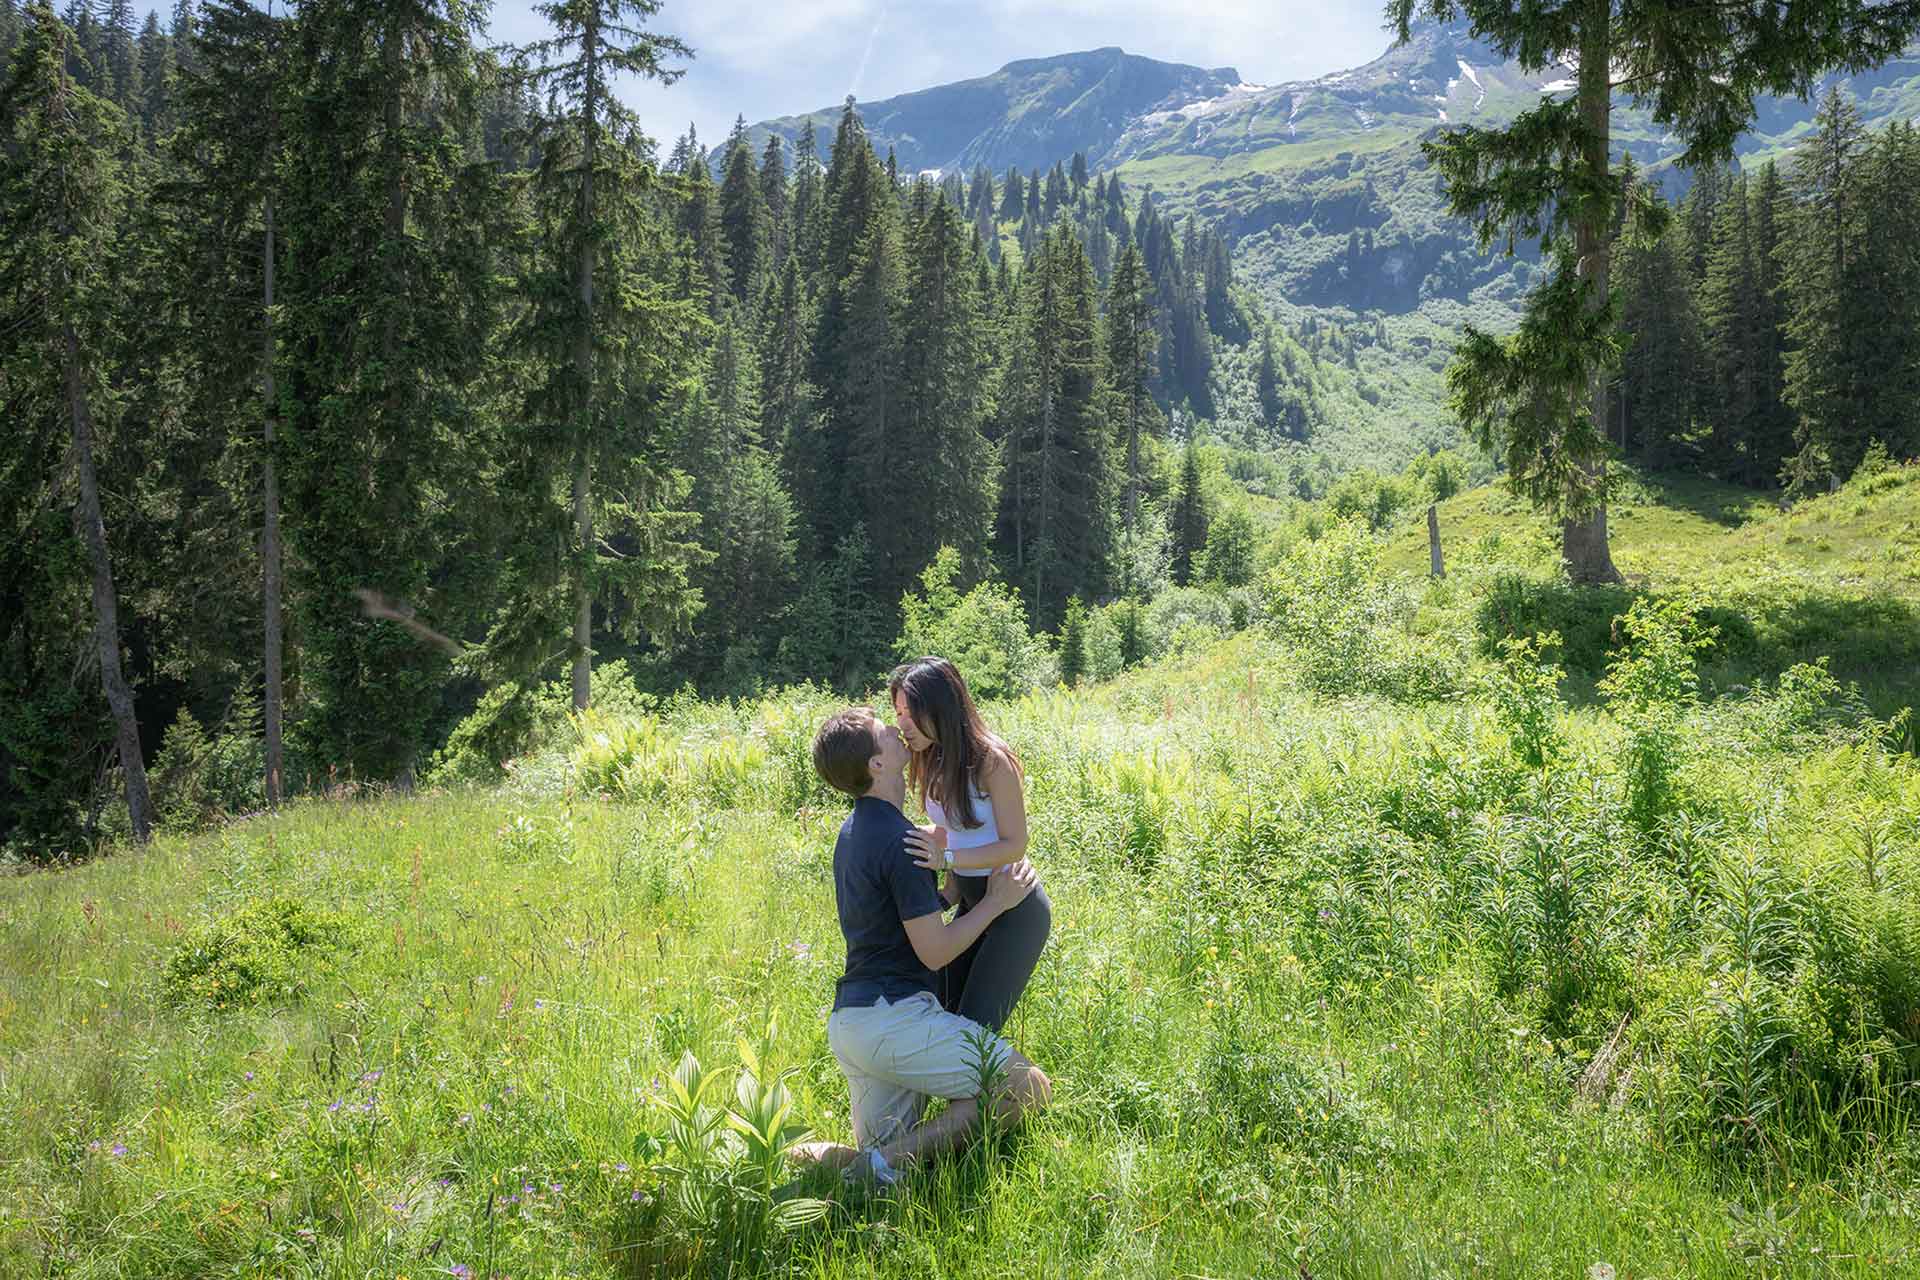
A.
pixel 1005 789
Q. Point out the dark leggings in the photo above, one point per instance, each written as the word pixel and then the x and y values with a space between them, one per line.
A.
pixel 985 981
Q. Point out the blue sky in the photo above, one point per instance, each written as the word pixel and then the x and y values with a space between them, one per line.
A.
pixel 768 58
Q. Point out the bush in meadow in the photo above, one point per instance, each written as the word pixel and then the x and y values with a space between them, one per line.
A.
pixel 266 950
pixel 983 632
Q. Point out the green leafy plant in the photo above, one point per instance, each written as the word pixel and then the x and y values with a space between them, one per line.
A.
pixel 264 951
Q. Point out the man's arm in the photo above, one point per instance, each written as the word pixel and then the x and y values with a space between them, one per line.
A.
pixel 937 942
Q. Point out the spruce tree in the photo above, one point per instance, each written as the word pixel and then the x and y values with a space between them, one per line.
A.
pixel 227 156
pixel 700 224
pixel 746 516
pixel 61 199
pixel 1058 487
pixel 389 290
pixel 947 486
pixel 1539 397
pixel 1130 353
pixel 803 220
pixel 1013 195
pixel 1772 430
pixel 744 220
pixel 1821 261
pixel 1267 384
pixel 602 326
pixel 1190 517
pixel 156 68
pixel 1888 271
pixel 1073 642
pixel 1659 382
pixel 773 194
pixel 1730 318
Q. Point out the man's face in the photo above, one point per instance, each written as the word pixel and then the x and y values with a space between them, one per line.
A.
pixel 891 754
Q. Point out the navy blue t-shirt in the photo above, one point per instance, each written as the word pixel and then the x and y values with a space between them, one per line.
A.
pixel 877 888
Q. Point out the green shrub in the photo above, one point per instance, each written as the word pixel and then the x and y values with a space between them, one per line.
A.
pixel 1333 603
pixel 1650 684
pixel 984 632
pixel 264 951
pixel 199 777
pixel 1525 692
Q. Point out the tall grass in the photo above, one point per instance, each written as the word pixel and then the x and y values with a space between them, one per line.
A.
pixel 1339 985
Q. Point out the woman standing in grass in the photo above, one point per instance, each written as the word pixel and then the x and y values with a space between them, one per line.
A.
pixel 973 789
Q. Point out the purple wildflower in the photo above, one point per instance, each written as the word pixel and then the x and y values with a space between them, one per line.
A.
pixel 94 1145
pixel 636 1195
pixel 461 1271
pixel 119 1148
pixel 506 1200
pixel 335 1105
pixel 526 1188
pixel 539 1006
pixel 371 1077
pixel 620 1168
pixel 248 1076
pixel 399 1206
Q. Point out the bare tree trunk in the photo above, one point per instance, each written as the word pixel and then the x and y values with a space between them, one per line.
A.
pixel 92 531
pixel 270 541
pixel 1583 542
pixel 1438 566
pixel 583 365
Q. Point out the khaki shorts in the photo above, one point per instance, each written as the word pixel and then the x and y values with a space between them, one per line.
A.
pixel 898 1054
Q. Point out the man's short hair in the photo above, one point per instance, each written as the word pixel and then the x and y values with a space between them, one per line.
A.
pixel 844 749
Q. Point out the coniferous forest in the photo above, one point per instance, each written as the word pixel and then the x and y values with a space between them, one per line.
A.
pixel 327 317
pixel 366 382
pixel 1771 317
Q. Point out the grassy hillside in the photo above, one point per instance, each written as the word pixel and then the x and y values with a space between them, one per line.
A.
pixel 1835 576
pixel 1371 958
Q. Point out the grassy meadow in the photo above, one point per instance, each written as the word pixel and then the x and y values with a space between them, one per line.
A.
pixel 1380 950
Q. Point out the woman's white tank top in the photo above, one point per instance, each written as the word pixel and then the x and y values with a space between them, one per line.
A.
pixel 968 837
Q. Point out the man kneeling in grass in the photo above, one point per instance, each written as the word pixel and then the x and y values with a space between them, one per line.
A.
pixel 896 1044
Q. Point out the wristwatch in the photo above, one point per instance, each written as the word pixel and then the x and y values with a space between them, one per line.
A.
pixel 949 854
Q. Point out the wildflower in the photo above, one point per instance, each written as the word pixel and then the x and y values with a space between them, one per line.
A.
pixel 335 1105
pixel 620 1168
pixel 248 1077
pixel 94 1145
pixel 526 1188
pixel 466 1117
pixel 371 1077
pixel 461 1271
pixel 636 1195
pixel 399 1206
pixel 119 1148
pixel 801 950
pixel 539 1006
pixel 367 1105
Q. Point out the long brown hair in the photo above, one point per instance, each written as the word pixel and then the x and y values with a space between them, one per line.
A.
pixel 938 699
